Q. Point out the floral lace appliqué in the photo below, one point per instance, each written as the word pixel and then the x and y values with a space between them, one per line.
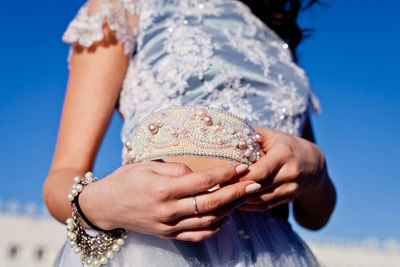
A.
pixel 87 27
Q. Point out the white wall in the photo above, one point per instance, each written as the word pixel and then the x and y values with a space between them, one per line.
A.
pixel 24 238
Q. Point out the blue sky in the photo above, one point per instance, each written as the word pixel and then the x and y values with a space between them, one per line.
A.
pixel 352 62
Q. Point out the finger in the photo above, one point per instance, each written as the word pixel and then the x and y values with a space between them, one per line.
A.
pixel 282 176
pixel 266 167
pixel 204 221
pixel 198 182
pixel 198 235
pixel 208 202
pixel 287 191
pixel 265 206
pixel 169 168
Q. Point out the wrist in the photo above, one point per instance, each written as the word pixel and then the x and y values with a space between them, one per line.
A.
pixel 320 174
pixel 93 208
pixel 94 250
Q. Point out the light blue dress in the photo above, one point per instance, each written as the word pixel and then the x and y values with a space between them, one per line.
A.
pixel 213 53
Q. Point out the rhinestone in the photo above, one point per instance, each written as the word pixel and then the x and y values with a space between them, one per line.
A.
pixel 285 46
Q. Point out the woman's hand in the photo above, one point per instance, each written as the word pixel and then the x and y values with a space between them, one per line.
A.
pixel 290 167
pixel 155 198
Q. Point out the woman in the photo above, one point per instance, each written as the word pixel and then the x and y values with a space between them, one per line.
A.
pixel 179 53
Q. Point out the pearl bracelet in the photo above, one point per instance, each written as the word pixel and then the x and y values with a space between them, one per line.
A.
pixel 94 250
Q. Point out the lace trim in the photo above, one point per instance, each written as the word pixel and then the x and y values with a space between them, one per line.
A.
pixel 86 28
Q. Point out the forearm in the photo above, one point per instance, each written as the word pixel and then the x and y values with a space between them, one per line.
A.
pixel 55 191
pixel 313 208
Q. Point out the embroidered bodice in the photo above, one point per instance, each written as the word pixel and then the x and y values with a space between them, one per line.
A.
pixel 199 52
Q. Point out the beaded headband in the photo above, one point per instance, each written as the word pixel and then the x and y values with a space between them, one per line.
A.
pixel 193 131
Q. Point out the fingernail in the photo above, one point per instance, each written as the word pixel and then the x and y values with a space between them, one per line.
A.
pixel 252 188
pixel 240 201
pixel 241 168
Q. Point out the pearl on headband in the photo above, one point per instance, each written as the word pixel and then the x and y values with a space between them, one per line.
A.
pixel 193 131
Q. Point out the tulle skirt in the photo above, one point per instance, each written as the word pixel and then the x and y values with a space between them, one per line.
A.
pixel 247 239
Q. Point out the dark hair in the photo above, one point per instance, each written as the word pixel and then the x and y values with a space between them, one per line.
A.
pixel 281 16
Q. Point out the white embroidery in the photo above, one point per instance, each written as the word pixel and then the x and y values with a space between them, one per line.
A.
pixel 86 29
pixel 182 58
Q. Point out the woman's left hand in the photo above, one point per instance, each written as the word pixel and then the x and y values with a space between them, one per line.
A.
pixel 289 167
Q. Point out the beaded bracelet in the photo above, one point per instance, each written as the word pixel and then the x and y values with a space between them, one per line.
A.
pixel 94 250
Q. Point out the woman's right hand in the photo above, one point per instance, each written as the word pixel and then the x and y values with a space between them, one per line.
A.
pixel 155 198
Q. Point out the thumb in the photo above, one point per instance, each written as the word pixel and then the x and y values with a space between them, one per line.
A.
pixel 170 168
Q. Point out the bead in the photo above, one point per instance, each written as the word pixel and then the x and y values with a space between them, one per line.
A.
pixel 115 247
pixel 285 46
pixel 73 244
pixel 96 263
pixel 110 254
pixel 258 138
pixel 201 114
pixel 153 128
pixel 249 152
pixel 159 123
pixel 131 156
pixel 201 5
pixel 235 143
pixel 242 144
pixel 74 192
pixel 120 241
pixel 71 236
pixel 70 227
pixel 253 157
pixel 88 180
pixel 69 221
pixel 77 179
pixel 79 187
pixel 77 250
pixel 208 120
pixel 103 260
pixel 89 261
pixel 128 145
pixel 70 197
pixel 88 175
pixel 190 126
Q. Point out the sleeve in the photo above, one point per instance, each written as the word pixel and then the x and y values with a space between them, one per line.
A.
pixel 121 16
pixel 314 106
